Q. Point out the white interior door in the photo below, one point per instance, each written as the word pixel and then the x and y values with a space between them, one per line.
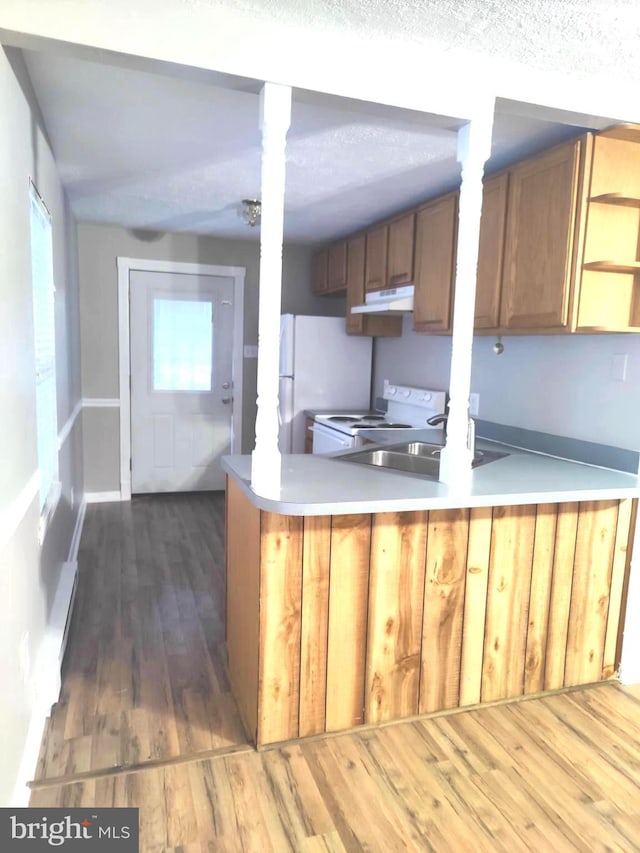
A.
pixel 181 340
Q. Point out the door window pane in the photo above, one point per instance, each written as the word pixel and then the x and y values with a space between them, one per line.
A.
pixel 182 345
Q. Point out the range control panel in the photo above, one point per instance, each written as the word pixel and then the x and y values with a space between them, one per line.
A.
pixel 422 398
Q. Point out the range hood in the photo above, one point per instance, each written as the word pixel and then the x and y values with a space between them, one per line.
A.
pixel 398 300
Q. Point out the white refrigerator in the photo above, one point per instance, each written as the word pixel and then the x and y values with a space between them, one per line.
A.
pixel 321 367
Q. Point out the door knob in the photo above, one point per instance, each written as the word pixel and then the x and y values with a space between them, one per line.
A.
pixel 226 400
pixel 226 385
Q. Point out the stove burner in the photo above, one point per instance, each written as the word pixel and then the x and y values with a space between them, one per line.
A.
pixel 368 418
pixel 389 426
pixel 341 418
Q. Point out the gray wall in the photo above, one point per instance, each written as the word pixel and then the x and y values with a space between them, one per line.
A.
pixel 29 573
pixel 553 383
pixel 99 246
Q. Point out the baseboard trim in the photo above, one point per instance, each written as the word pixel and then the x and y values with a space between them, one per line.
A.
pixel 77 532
pixel 47 674
pixel 102 497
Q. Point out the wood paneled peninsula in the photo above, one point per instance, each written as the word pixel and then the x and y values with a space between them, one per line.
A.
pixel 364 596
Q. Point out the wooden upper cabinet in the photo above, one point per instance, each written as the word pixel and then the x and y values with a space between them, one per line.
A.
pixel 434 264
pixel 376 258
pixel 337 266
pixel 319 266
pixel 538 258
pixel 491 251
pixel 364 324
pixel 355 283
pixel 400 250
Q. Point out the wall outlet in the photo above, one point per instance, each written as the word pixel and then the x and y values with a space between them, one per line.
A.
pixel 474 405
pixel 618 370
pixel 251 350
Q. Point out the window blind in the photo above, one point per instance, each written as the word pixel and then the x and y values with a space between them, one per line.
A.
pixel 45 343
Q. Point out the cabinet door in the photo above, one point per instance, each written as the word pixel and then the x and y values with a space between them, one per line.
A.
pixel 491 252
pixel 355 284
pixel 376 258
pixel 400 251
pixel 319 272
pixel 434 264
pixel 337 266
pixel 364 324
pixel 539 240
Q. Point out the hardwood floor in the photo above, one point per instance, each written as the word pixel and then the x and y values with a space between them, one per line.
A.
pixel 146 720
pixel 558 773
pixel 145 674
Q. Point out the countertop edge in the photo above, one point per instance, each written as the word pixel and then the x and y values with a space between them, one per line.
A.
pixel 444 501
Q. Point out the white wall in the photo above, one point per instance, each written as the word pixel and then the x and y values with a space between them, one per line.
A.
pixel 29 573
pixel 559 384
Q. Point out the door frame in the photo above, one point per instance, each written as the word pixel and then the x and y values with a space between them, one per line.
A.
pixel 125 267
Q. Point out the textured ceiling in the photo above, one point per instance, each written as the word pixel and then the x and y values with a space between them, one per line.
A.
pixel 155 152
pixel 583 36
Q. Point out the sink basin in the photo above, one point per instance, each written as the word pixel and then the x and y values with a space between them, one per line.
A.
pixel 414 457
pixel 412 463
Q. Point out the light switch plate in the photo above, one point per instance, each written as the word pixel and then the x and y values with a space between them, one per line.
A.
pixel 474 404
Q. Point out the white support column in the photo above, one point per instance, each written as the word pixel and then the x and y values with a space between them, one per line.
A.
pixel 474 147
pixel 275 118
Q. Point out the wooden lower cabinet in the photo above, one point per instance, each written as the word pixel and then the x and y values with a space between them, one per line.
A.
pixel 344 620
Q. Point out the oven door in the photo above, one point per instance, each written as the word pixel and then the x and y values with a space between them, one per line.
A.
pixel 328 440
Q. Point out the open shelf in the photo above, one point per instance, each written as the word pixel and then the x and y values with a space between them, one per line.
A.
pixel 612 266
pixel 617 198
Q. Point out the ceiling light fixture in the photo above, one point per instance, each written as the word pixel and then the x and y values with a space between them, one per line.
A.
pixel 251 210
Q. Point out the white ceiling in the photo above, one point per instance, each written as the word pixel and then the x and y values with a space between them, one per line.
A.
pixel 150 151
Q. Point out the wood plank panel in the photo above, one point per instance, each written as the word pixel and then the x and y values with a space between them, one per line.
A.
pixel 243 602
pixel 346 645
pixel 446 564
pixel 510 570
pixel 619 578
pixel 394 633
pixel 316 555
pixel 595 540
pixel 280 608
pixel 542 572
pixel 566 529
pixel 475 604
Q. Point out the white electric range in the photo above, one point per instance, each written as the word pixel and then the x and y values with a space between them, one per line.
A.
pixel 407 408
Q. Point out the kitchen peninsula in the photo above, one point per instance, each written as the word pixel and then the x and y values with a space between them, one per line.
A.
pixel 363 596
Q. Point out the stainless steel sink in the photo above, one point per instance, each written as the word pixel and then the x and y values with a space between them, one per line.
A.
pixel 414 457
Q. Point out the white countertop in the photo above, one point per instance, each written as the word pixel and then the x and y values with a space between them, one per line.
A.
pixel 325 485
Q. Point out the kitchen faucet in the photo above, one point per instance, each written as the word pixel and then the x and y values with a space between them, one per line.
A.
pixel 436 420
